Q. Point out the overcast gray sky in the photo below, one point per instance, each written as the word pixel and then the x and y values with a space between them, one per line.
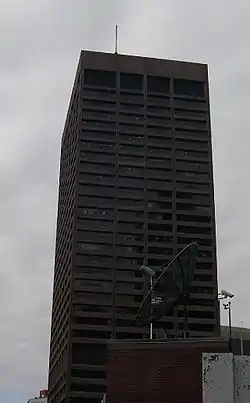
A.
pixel 39 49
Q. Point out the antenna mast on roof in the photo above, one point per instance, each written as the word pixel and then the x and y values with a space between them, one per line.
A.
pixel 241 339
pixel 116 38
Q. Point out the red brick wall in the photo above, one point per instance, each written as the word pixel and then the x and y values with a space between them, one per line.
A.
pixel 157 372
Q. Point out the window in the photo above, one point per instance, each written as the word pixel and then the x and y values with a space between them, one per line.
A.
pixel 196 197
pixel 192 166
pixel 130 215
pixel 138 286
pixel 98 136
pixel 189 88
pixel 131 148
pixel 158 84
pixel 160 227
pixel 162 152
pixel 203 277
pixel 106 115
pixel 127 238
pixel 99 104
pixel 202 302
pixel 131 117
pixel 204 266
pixel 161 216
pixel 90 212
pixel 201 242
pixel 103 180
pixel 190 103
pixel 160 239
pixel 95 191
pixel 132 99
pixel 193 218
pixel 190 113
pixel 160 251
pixel 191 185
pixel 93 261
pixel 94 354
pixel 192 144
pixel 92 308
pixel 101 94
pixel 130 204
pixel 81 373
pixel 194 230
pixel 184 123
pixel 188 154
pixel 131 81
pixel 97 167
pixel 83 387
pixel 164 194
pixel 90 246
pixel 127 228
pixel 126 311
pixel 99 202
pixel 191 175
pixel 94 125
pixel 126 335
pixel 154 100
pixel 78 320
pixel 139 109
pixel 133 138
pixel 131 194
pixel 204 253
pixel 100 78
pixel 127 250
pixel 156 262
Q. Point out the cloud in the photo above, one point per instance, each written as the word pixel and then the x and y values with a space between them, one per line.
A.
pixel 39 54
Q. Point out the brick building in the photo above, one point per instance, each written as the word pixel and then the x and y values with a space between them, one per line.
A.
pixel 158 372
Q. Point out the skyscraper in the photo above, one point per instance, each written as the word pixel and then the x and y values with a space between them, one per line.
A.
pixel 136 185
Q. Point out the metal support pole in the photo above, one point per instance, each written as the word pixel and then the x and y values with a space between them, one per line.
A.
pixel 176 322
pixel 185 319
pixel 151 324
pixel 241 339
pixel 230 326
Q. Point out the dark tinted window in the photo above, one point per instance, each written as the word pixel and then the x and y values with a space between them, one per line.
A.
pixel 100 78
pixel 158 84
pixel 88 354
pixel 83 387
pixel 131 81
pixel 81 373
pixel 189 87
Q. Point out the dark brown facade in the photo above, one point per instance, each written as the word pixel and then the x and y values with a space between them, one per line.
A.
pixel 158 372
pixel 136 186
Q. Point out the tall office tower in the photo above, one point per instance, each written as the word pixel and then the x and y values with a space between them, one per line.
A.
pixel 136 186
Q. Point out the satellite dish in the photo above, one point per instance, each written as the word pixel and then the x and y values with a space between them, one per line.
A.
pixel 170 288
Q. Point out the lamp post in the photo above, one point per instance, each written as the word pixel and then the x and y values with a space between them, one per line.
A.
pixel 149 273
pixel 227 306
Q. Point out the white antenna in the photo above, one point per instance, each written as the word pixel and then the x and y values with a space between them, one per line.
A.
pixel 241 339
pixel 116 38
